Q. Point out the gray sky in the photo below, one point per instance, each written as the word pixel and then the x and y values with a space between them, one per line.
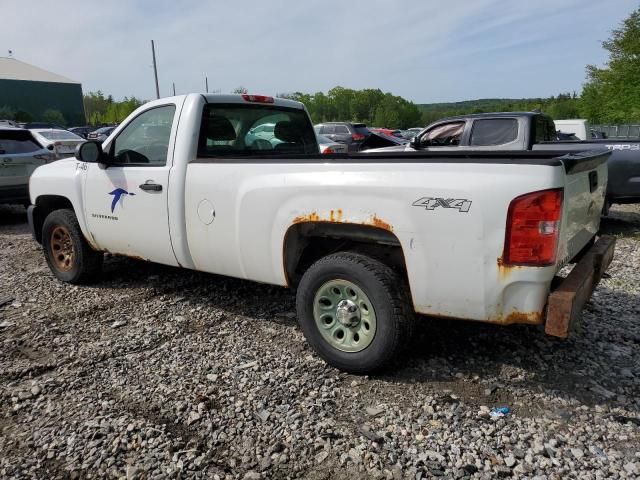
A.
pixel 425 50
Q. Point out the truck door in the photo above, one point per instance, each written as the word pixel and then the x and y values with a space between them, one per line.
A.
pixel 126 201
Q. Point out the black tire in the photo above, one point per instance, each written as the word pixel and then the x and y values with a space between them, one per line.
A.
pixel 85 263
pixel 386 291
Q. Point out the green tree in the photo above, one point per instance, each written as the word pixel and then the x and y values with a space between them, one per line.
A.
pixel 54 116
pixel 612 93
pixel 7 113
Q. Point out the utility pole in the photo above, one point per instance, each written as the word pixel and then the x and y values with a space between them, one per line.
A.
pixel 206 84
pixel 155 68
pixel 174 89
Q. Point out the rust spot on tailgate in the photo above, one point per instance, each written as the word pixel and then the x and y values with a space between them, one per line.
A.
pixel 337 216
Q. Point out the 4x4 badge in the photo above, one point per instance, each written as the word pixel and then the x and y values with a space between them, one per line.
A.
pixel 461 204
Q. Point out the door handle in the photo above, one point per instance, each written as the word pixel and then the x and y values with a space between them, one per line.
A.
pixel 151 187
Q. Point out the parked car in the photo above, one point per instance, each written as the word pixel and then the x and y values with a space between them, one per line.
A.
pixel 578 126
pixel 598 134
pixel 264 131
pixel 101 134
pixel 62 143
pixel 532 131
pixel 32 125
pixel 367 240
pixel 329 146
pixel 20 154
pixel 566 136
pixel 380 140
pixel 409 133
pixel 387 131
pixel 351 134
pixel 8 123
pixel 82 131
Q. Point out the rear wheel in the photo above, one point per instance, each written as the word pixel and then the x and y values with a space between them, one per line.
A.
pixel 68 254
pixel 354 311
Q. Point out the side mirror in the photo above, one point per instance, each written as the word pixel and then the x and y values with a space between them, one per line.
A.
pixel 415 143
pixel 89 152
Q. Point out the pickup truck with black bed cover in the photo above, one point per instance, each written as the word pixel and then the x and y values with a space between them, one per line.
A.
pixel 369 241
pixel 530 131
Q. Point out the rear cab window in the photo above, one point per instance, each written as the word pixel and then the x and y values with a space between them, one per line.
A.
pixel 544 130
pixel 494 131
pixel 238 130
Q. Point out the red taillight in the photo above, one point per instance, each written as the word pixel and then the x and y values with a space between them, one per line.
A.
pixel 328 150
pixel 357 137
pixel 533 227
pixel 257 98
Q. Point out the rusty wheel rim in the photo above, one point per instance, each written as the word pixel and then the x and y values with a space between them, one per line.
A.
pixel 62 251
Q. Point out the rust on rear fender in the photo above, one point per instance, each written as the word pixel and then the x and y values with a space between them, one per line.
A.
pixel 336 216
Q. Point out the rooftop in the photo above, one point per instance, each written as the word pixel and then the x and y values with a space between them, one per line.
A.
pixel 12 69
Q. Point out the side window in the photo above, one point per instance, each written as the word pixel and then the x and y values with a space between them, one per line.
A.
pixel 494 131
pixel 448 134
pixel 145 141
pixel 342 130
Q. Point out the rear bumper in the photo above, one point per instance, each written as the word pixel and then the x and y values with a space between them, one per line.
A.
pixel 567 300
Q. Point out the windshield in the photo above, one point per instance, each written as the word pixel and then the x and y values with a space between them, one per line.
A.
pixel 323 140
pixel 59 135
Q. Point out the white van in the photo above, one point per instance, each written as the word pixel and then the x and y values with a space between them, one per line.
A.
pixel 578 126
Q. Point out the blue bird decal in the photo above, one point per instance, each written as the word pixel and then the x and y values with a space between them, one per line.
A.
pixel 117 195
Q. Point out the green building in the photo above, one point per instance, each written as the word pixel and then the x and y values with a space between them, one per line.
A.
pixel 30 91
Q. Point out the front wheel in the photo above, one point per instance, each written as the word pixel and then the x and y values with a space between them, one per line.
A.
pixel 354 311
pixel 69 256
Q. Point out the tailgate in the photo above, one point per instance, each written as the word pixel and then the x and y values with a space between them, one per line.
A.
pixel 584 194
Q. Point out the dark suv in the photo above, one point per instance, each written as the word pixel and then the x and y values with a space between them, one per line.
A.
pixel 351 134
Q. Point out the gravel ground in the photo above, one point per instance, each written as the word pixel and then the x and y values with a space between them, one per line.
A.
pixel 157 372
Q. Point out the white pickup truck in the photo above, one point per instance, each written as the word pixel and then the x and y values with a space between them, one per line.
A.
pixel 368 240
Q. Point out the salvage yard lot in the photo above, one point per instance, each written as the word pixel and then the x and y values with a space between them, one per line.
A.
pixel 157 372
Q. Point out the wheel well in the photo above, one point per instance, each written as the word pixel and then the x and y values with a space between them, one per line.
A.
pixel 47 204
pixel 307 242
